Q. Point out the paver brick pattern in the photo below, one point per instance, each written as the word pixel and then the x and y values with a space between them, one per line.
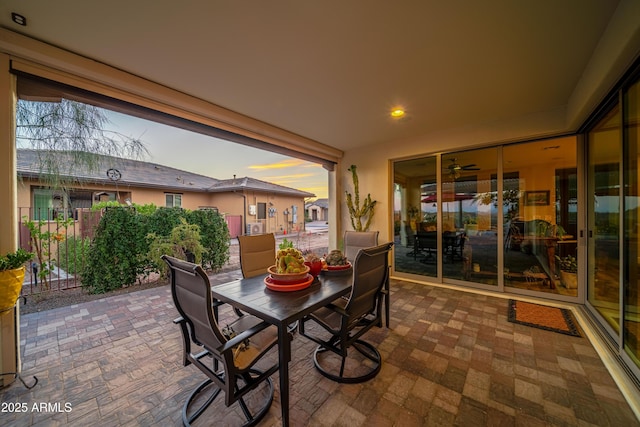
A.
pixel 449 358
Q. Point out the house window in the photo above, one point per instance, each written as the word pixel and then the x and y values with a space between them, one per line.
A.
pixel 173 200
pixel 49 204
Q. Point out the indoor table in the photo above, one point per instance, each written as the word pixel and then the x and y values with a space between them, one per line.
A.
pixel 281 309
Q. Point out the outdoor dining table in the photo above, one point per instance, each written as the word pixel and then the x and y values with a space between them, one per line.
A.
pixel 281 309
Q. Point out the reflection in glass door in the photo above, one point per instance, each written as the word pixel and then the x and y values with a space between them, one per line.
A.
pixel 469 216
pixel 539 195
pixel 631 334
pixel 603 218
pixel 415 216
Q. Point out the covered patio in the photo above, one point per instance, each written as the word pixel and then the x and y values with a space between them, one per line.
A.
pixel 449 358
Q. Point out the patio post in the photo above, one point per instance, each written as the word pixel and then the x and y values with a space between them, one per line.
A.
pixel 9 324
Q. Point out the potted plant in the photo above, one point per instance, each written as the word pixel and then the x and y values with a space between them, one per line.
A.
pixel 568 271
pixel 11 276
pixel 470 225
pixel 359 213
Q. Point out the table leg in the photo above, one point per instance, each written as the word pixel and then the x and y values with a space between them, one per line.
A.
pixel 284 351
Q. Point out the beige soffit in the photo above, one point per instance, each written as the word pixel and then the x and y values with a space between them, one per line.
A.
pixel 42 60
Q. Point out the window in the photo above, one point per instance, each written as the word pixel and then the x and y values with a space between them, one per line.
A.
pixel 49 204
pixel 173 200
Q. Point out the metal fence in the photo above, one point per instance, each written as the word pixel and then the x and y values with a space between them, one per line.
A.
pixel 59 240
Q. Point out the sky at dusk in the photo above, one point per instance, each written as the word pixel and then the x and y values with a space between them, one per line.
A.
pixel 217 158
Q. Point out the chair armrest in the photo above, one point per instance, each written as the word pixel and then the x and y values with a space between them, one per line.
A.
pixel 243 336
pixel 331 306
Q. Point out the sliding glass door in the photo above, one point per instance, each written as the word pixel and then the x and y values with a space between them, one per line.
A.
pixel 631 246
pixel 415 216
pixel 539 199
pixel 603 217
pixel 469 216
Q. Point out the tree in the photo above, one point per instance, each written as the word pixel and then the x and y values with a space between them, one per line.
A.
pixel 78 130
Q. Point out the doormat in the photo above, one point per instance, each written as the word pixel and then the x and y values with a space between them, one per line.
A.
pixel 543 317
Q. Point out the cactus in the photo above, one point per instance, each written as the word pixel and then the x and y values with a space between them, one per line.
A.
pixel 357 212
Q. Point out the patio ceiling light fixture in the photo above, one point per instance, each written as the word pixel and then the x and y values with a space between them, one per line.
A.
pixel 397 113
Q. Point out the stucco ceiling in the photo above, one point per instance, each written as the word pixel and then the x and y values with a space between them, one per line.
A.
pixel 331 70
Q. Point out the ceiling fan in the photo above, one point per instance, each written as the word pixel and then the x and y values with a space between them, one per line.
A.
pixel 455 168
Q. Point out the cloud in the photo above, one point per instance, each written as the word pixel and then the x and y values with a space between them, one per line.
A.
pixel 288 178
pixel 283 164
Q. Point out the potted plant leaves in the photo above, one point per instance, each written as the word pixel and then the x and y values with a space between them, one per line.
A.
pixel 568 271
pixel 11 276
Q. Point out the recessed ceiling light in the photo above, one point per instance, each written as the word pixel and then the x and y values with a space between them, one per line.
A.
pixel 18 19
pixel 397 113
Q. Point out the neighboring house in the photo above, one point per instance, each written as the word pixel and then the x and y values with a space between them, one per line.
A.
pixel 250 205
pixel 318 210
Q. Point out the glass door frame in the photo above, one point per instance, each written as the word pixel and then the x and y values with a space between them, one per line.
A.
pixel 501 221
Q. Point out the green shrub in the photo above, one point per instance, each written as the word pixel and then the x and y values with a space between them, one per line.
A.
pixel 129 241
pixel 214 235
pixel 163 220
pixel 72 254
pixel 148 209
pixel 183 243
pixel 118 253
pixel 106 204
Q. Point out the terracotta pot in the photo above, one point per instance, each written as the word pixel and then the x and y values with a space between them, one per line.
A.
pixel 10 286
pixel 287 277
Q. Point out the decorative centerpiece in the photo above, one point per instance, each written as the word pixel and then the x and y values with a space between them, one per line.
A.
pixel 289 273
pixel 336 262
pixel 11 277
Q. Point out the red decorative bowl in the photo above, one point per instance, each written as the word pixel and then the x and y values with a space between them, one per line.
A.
pixel 339 267
pixel 315 267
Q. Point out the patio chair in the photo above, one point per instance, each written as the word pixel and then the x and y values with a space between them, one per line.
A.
pixel 231 351
pixel 257 254
pixel 356 240
pixel 346 320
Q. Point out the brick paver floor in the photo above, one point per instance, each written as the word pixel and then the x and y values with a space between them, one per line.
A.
pixel 449 358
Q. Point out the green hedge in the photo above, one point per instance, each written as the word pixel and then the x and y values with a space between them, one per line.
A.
pixel 120 251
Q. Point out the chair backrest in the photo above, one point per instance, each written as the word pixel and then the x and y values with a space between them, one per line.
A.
pixel 356 240
pixel 191 291
pixel 370 273
pixel 257 253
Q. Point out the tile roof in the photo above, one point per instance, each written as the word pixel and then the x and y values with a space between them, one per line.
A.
pixel 247 183
pixel 321 203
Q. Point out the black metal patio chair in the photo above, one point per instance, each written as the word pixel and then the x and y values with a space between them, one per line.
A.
pixel 346 320
pixel 228 355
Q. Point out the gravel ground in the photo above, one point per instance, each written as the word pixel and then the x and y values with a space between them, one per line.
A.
pixel 316 242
